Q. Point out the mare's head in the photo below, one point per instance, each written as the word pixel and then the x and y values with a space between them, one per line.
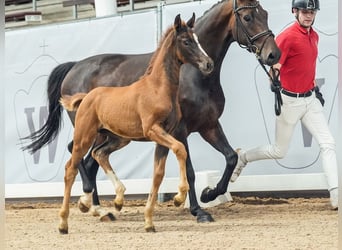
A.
pixel 251 31
pixel 188 48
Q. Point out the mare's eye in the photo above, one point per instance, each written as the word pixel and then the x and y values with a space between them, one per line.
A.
pixel 247 18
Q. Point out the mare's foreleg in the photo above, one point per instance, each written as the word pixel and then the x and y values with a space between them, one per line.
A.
pixel 160 156
pixel 218 140
pixel 195 209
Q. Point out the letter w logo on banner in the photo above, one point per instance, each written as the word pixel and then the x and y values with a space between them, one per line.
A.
pixel 43 113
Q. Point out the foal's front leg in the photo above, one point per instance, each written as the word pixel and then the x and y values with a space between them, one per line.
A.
pixel 159 135
pixel 160 156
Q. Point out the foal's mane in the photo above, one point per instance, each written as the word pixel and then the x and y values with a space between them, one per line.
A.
pixel 165 36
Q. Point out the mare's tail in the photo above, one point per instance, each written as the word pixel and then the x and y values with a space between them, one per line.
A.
pixel 50 129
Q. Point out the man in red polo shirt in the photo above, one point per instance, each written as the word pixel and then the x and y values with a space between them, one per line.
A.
pixel 297 67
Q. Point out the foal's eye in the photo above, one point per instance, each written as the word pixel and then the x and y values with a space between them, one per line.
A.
pixel 247 18
pixel 186 42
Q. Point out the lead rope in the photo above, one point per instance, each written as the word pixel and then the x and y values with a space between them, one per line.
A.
pixel 275 87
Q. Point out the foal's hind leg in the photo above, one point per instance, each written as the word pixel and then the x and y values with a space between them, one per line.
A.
pixel 69 178
pixel 101 155
pixel 82 142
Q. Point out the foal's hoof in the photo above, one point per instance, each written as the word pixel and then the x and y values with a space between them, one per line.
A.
pixel 108 217
pixel 117 206
pixel 177 203
pixel 82 207
pixel 63 231
pixel 178 200
pixel 150 229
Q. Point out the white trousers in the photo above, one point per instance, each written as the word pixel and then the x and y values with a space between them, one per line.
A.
pixel 309 111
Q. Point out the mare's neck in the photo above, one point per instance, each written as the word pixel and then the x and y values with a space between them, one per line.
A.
pixel 214 30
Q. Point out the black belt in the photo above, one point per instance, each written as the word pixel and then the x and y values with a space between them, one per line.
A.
pixel 293 94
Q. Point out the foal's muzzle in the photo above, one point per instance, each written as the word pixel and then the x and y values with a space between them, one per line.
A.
pixel 207 66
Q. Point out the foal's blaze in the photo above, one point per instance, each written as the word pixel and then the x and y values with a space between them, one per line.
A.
pixel 146 110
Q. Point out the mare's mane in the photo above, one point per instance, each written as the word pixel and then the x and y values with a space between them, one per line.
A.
pixel 208 10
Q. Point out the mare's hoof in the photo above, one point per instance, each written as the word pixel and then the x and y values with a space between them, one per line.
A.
pixel 108 217
pixel 205 196
pixel 83 208
pixel 117 206
pixel 63 231
pixel 150 229
pixel 203 218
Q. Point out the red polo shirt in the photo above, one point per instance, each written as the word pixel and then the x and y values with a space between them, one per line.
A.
pixel 298 58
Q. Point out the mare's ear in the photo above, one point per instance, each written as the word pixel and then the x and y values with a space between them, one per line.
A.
pixel 191 21
pixel 178 23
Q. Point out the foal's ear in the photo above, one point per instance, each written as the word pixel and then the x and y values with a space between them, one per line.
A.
pixel 191 21
pixel 178 23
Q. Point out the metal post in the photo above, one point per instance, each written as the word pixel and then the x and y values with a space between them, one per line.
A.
pixel 339 138
pixel 159 20
pixel 34 5
pixel 2 128
pixel 131 5
pixel 74 11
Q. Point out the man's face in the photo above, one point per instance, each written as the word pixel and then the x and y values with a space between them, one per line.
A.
pixel 305 17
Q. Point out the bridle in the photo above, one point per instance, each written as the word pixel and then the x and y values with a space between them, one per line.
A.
pixel 251 47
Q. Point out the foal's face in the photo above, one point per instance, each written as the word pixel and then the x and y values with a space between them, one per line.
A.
pixel 189 49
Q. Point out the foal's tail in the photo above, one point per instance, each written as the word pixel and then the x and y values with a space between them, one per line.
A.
pixel 50 129
pixel 71 102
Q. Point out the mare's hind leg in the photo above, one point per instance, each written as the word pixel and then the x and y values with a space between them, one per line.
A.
pixel 160 156
pixel 218 140
pixel 89 200
pixel 101 155
pixel 91 167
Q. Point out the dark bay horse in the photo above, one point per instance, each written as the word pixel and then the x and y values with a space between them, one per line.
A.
pixel 201 97
pixel 147 110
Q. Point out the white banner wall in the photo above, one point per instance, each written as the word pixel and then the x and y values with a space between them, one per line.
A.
pixel 248 120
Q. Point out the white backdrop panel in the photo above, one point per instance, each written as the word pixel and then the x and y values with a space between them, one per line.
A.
pixel 248 120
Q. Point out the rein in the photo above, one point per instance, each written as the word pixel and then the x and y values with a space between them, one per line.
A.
pixel 250 39
pixel 275 87
pixel 274 78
